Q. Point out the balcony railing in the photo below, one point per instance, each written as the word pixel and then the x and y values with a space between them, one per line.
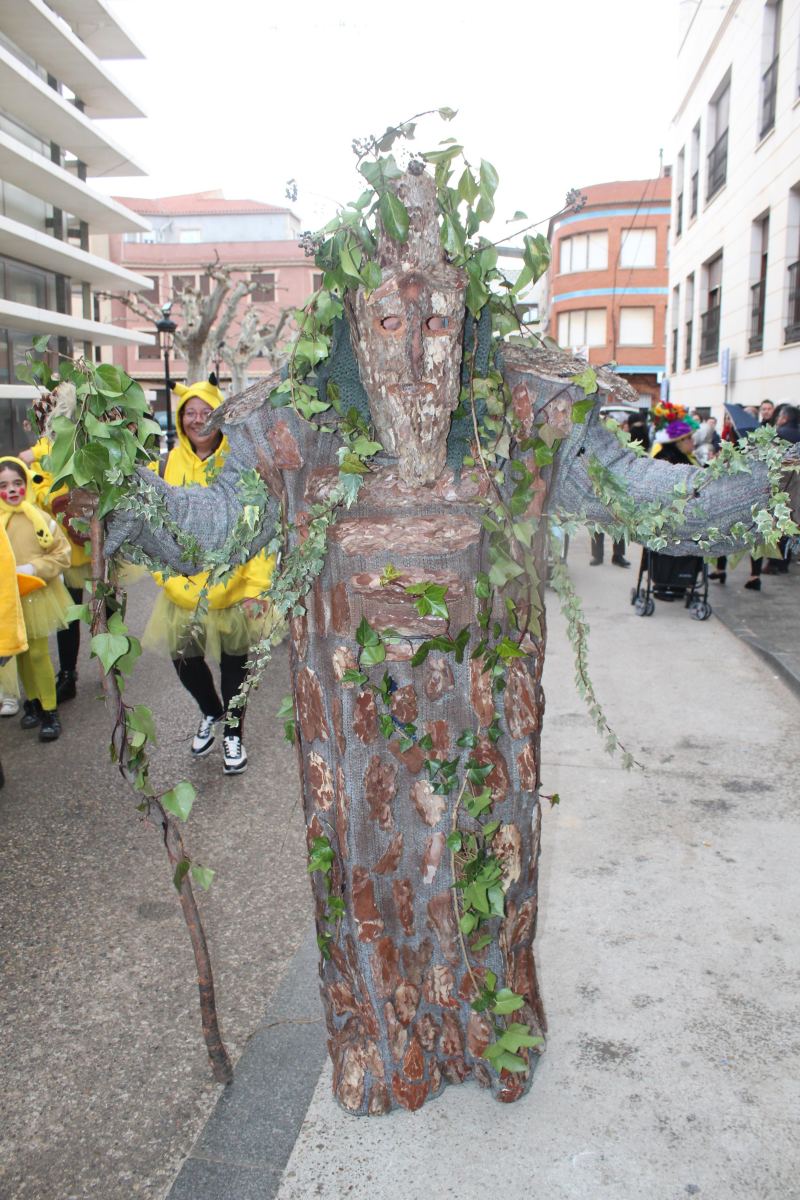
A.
pixel 674 351
pixel 769 90
pixel 709 335
pixel 679 215
pixel 757 295
pixel 687 349
pixel 695 196
pixel 717 165
pixel 792 330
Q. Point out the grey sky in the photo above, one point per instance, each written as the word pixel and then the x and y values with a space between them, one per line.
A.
pixel 244 94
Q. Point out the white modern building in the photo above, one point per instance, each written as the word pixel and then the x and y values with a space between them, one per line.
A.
pixel 54 86
pixel 734 316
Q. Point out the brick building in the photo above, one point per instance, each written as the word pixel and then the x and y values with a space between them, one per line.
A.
pixel 607 284
pixel 189 232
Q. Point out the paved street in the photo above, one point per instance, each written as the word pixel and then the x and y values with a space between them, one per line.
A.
pixel 667 950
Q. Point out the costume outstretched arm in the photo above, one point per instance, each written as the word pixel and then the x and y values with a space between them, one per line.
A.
pixel 583 486
pixel 200 520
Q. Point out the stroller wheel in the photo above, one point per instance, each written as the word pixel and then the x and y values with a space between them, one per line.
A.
pixel 650 607
pixel 701 611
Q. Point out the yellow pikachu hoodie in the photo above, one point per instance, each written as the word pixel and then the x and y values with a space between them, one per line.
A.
pixel 183 467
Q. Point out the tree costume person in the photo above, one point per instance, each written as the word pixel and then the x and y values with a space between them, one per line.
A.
pixel 233 615
pixel 417 654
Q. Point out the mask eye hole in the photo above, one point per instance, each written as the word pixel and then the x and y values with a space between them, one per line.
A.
pixel 437 324
pixel 392 324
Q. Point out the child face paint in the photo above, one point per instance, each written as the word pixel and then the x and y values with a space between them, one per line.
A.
pixel 12 486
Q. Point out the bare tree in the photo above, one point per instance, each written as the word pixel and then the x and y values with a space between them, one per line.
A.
pixel 207 324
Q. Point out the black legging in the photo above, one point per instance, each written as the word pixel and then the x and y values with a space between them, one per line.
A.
pixel 69 639
pixel 196 677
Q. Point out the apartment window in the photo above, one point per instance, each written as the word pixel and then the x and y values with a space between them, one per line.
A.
pixel 770 48
pixel 584 252
pixel 188 235
pixel 27 285
pixel 676 304
pixel 583 327
pixel 148 351
pixel 758 290
pixel 638 248
pixel 689 322
pixel 694 179
pixel 679 187
pixel 317 280
pixel 152 292
pixel 181 282
pixel 792 327
pixel 636 326
pixel 265 287
pixel 710 318
pixel 718 116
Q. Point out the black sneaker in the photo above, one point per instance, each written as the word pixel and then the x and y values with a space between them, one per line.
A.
pixel 50 728
pixel 66 686
pixel 32 715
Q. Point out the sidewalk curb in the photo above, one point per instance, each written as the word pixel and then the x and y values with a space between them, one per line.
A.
pixel 244 1146
pixel 782 669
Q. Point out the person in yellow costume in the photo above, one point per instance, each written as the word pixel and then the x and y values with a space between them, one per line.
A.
pixel 41 551
pixel 236 616
pixel 76 576
pixel 13 638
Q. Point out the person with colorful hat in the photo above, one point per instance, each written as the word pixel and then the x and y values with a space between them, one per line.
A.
pixel 677 444
pixel 42 553
pixel 232 617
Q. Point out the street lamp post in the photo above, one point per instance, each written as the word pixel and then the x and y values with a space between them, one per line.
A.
pixel 166 336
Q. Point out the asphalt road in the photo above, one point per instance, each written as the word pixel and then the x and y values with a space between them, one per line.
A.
pixel 105 1077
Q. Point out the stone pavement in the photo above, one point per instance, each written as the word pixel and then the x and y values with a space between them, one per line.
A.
pixel 666 945
pixel 667 951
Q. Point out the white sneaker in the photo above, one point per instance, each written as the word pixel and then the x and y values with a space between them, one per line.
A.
pixel 9 707
pixel 204 738
pixel 234 755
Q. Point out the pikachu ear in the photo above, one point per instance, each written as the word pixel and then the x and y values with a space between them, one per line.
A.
pixel 212 379
pixel 180 389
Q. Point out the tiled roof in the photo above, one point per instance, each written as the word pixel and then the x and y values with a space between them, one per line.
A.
pixel 196 204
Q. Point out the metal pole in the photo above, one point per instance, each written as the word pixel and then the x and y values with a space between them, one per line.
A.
pixel 170 432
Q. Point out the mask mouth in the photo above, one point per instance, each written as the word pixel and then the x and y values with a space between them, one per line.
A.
pixel 410 390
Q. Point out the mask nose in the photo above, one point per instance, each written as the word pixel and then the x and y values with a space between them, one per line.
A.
pixel 416 353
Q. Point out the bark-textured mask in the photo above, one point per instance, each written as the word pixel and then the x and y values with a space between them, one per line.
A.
pixel 407 337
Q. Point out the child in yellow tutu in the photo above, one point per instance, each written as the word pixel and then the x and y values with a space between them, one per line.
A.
pixel 13 639
pixel 237 615
pixel 42 552
pixel 77 576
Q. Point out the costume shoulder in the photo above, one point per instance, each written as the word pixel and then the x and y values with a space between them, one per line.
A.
pixel 555 370
pixel 240 408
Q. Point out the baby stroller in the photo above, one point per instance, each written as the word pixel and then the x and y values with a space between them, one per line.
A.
pixel 667 577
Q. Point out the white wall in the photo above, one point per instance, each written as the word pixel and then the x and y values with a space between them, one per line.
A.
pixel 759 178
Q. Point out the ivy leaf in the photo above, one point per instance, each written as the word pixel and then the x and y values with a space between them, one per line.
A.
pixel 447 114
pixel 516 1035
pixel 453 841
pixel 481 942
pixel 179 800
pixel 372 655
pixel 502 1060
pixel 581 410
pixel 489 178
pixel 78 612
pixel 507 1001
pixel 351 676
pixel 394 216
pixel 180 872
pixel 371 275
pixel 140 718
pixel 587 380
pixel 203 876
pixel 109 647
pixel 41 343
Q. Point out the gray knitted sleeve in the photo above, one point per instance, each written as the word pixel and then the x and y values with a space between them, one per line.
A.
pixel 717 503
pixel 207 516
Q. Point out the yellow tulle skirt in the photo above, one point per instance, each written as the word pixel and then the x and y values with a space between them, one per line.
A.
pixel 44 610
pixel 181 633
pixel 9 680
pixel 78 577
